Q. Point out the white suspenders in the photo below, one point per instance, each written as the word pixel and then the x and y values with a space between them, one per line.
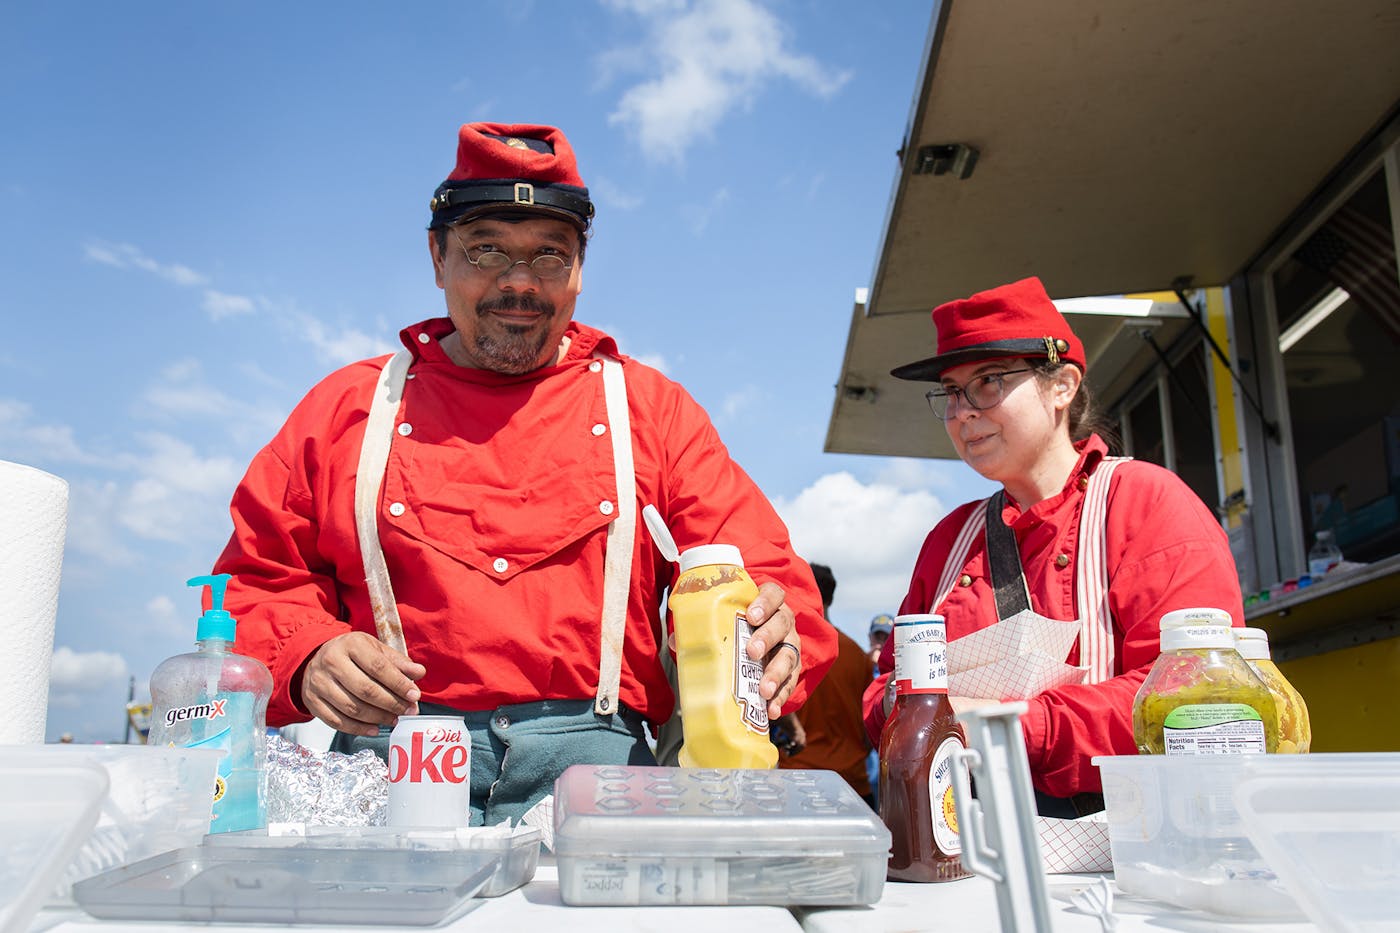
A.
pixel 1091 571
pixel 617 573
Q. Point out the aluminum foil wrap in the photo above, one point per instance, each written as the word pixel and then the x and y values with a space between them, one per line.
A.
pixel 324 788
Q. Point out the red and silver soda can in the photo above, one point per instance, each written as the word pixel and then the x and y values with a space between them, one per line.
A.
pixel 430 772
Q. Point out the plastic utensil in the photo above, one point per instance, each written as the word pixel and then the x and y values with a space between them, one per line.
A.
pixel 1097 901
pixel 999 839
pixel 660 534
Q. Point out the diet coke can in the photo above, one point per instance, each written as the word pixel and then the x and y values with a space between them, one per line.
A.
pixel 430 759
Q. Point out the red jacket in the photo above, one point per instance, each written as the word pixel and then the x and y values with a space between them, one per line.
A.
pixel 1164 551
pixel 496 555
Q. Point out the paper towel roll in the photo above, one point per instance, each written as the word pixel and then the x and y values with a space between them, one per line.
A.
pixel 33 522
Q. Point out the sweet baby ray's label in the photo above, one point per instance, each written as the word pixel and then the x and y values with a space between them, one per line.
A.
pixel 1214 729
pixel 940 791
pixel 747 673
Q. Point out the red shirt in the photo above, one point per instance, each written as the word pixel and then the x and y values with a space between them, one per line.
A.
pixel 1164 551
pixel 493 519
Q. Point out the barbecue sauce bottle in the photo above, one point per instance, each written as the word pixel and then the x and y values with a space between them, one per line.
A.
pixel 916 764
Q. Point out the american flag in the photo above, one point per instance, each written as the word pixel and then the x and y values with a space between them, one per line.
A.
pixel 1358 254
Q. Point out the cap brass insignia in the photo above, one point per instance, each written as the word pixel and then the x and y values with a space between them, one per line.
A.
pixel 1052 350
pixel 516 143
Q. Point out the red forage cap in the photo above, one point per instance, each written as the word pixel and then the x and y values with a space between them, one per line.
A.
pixel 513 168
pixel 1016 320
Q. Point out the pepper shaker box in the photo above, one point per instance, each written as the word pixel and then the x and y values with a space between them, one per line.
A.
pixel 652 836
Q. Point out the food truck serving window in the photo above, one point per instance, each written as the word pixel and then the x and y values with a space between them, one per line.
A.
pixel 1337 301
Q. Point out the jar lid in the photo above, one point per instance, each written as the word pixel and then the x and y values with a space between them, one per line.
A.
pixel 1252 643
pixel 709 554
pixel 1202 615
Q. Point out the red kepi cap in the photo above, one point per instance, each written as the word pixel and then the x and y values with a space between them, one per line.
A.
pixel 512 168
pixel 1017 320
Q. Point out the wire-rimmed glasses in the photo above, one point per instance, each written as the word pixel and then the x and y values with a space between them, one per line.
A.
pixel 981 393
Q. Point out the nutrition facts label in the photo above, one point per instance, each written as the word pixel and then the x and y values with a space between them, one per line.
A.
pixel 1214 729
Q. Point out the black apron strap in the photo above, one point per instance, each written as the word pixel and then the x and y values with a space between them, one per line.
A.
pixel 1004 562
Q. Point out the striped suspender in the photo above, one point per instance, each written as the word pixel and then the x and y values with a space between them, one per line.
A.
pixel 1091 572
pixel 1091 577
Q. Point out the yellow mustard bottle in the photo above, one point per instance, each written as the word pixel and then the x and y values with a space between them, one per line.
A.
pixel 1294 729
pixel 1201 697
pixel 726 721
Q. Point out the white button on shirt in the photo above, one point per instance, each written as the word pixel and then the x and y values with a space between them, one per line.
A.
pixel 405 429
pixel 595 367
pixel 500 565
pixel 424 338
pixel 599 430
pixel 396 509
pixel 605 507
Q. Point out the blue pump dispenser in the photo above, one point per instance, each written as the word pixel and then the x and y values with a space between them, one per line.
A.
pixel 215 622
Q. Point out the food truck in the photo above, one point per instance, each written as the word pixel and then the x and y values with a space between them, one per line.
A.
pixel 1212 194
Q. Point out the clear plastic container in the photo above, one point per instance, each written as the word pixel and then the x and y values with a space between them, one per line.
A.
pixel 287 886
pixel 1177 835
pixel 156 799
pixel 48 807
pixel 1329 825
pixel 648 835
pixel 518 849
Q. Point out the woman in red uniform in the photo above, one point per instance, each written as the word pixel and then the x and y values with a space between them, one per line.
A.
pixel 1111 543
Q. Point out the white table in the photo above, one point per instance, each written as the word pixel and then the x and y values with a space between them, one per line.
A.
pixel 970 906
pixel 967 906
pixel 535 906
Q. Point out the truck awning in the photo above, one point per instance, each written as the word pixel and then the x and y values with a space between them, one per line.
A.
pixel 1119 148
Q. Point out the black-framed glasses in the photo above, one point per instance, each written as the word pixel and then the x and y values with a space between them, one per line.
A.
pixel 545 266
pixel 981 393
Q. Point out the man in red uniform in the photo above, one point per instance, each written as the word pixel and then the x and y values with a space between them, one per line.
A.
pixel 1113 544
pixel 454 529
pixel 833 732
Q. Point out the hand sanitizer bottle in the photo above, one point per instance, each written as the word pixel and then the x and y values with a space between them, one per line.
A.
pixel 213 698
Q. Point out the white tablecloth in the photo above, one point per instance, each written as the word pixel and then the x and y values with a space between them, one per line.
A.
pixel 967 906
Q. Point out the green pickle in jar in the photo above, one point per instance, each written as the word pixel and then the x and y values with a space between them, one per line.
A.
pixel 1201 697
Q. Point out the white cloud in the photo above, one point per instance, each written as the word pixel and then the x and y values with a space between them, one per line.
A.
pixel 712 56
pixel 219 305
pixel 25 441
pixel 698 215
pixel 613 195
pixel 869 534
pixel 740 401
pixel 74 672
pixel 126 256
pixel 338 346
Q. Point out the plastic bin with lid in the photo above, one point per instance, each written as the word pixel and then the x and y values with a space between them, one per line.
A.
pixel 1329 826
pixel 48 806
pixel 518 848
pixel 651 835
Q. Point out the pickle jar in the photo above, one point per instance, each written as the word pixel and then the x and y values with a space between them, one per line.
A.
pixel 1201 697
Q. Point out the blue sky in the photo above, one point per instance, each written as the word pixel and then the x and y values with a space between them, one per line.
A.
pixel 204 208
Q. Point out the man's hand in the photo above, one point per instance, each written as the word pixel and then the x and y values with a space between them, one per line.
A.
pixel 775 639
pixel 355 683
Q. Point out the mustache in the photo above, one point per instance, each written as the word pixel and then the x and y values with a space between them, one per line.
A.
pixel 516 303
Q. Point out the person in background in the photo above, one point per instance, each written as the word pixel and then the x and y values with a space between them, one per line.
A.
pixel 831 718
pixel 1073 534
pixel 881 627
pixel 454 529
